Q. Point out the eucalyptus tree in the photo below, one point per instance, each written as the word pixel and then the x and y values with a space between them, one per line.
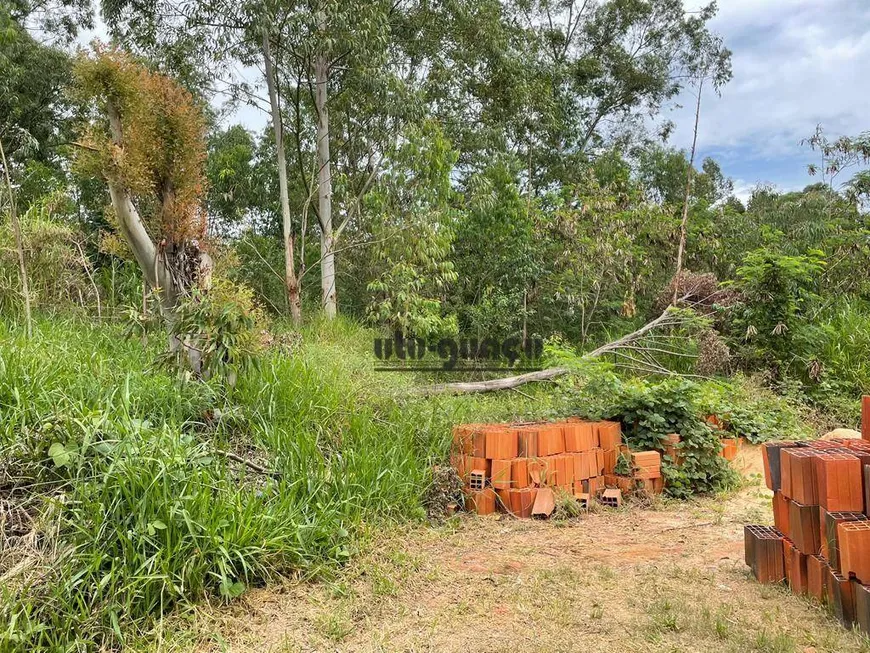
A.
pixel 330 87
pixel 554 81
pixel 145 136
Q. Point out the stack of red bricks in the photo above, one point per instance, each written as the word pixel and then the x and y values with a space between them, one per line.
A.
pixel 820 544
pixel 730 445
pixel 516 468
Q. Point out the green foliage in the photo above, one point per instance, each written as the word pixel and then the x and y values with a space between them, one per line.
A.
pixel 754 412
pixel 651 411
pixel 497 258
pixel 775 290
pixel 54 257
pixel 142 507
pixel 260 266
pixel 623 465
pixel 223 327
pixel 413 238
pixel 161 155
pixel 34 110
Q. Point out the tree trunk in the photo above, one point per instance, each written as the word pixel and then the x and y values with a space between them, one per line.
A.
pixel 291 282
pixel 324 179
pixel 689 178
pixel 19 246
pixel 156 273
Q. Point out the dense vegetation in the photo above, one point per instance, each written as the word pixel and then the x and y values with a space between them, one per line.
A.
pixel 482 168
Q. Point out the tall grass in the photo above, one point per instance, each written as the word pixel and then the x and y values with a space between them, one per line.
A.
pixel 131 506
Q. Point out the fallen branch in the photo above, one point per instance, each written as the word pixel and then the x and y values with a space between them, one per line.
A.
pixel 665 319
pixel 250 464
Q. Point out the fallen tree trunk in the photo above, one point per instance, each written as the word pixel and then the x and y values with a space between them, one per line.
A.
pixel 665 319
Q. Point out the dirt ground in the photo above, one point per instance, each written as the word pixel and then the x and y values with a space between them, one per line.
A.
pixel 668 577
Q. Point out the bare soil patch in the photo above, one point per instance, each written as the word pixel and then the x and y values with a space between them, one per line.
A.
pixel 667 578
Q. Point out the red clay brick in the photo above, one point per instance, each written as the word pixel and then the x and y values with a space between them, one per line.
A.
pixel 520 473
pixel 503 500
pixel 478 441
pixel 764 547
pixel 650 485
pixel 730 448
pixel 780 513
pixel 840 487
pixel 581 469
pixel 804 529
pixel 609 435
pixel 568 481
pixel 853 540
pixel 587 436
pixel 796 568
pixel 501 443
pixel 545 502
pixel 841 598
pixel 646 465
pixel 671 444
pixel 594 485
pixel 578 436
pixel 799 475
pixel 483 502
pixel 501 474
pixel 816 578
pixel 598 462
pixel 771 453
pixel 551 440
pixel 477 480
pixel 830 534
pixel 862 606
pixel 462 439
pixel 522 500
pixel 538 470
pixel 611 498
pixel 527 442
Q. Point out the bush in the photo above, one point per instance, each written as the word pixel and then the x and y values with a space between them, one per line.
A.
pixel 753 411
pixel 651 411
pixel 775 290
pixel 223 327
pixel 57 270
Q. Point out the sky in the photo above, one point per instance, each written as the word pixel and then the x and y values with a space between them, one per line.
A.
pixel 796 64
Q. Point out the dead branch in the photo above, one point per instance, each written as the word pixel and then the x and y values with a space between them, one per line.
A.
pixel 665 319
pixel 244 461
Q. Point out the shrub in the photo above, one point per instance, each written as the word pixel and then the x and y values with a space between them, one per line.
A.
pixel 651 411
pixel 754 412
pixel 222 327
pixel 776 289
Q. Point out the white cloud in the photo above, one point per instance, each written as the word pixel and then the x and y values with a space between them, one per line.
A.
pixel 796 63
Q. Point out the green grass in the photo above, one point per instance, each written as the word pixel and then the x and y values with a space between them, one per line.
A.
pixel 136 509
pixel 132 510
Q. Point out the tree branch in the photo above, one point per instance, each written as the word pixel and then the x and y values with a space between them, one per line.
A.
pixel 665 319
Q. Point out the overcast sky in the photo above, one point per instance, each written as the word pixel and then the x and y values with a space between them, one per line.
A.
pixel 797 63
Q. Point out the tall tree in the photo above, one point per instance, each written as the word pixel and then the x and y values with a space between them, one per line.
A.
pixel 325 59
pixel 145 137
pixel 712 64
pixel 290 279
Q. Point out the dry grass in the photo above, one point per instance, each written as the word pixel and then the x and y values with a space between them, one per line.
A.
pixel 670 578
